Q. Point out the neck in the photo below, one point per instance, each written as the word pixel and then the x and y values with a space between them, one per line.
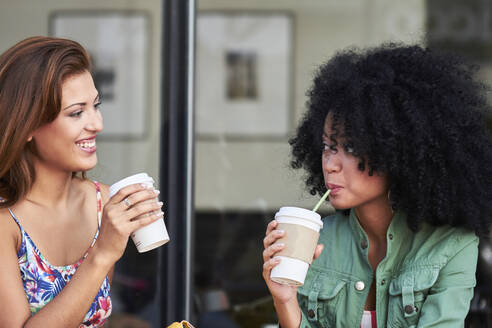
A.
pixel 375 219
pixel 51 187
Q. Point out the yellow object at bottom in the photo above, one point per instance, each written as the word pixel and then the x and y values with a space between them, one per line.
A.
pixel 182 324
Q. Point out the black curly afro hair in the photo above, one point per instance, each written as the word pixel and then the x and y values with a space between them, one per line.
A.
pixel 414 114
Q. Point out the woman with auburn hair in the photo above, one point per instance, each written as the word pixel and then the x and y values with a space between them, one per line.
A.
pixel 60 235
pixel 397 133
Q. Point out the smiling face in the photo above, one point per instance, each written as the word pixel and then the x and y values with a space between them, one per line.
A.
pixel 350 187
pixel 69 142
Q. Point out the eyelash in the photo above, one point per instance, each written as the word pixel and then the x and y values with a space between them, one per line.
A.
pixel 76 113
pixel 346 148
pixel 79 112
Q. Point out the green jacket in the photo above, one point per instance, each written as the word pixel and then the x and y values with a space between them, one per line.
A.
pixel 425 280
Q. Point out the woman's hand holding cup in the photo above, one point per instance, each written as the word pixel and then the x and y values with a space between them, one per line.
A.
pixel 131 208
pixel 280 292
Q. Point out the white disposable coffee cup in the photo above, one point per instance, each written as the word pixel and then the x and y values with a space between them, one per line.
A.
pixel 152 235
pixel 301 228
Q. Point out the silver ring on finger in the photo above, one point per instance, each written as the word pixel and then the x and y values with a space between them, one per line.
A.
pixel 127 202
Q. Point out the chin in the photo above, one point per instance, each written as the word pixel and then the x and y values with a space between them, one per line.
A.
pixel 343 208
pixel 87 166
pixel 340 207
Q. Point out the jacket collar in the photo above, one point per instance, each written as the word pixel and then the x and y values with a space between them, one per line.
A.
pixel 398 228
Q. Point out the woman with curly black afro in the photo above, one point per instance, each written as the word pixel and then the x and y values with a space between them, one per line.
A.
pixel 398 134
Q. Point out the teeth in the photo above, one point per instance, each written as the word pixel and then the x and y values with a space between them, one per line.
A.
pixel 87 144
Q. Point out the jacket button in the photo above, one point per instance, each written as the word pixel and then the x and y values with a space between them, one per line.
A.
pixel 390 236
pixel 359 285
pixel 311 313
pixel 363 244
pixel 383 282
pixel 409 309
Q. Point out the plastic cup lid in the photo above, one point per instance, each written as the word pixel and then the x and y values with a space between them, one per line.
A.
pixel 136 178
pixel 299 212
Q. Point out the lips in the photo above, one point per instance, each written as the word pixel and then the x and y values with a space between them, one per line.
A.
pixel 334 188
pixel 88 144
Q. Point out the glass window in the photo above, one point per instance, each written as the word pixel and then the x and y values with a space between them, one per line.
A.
pixel 255 61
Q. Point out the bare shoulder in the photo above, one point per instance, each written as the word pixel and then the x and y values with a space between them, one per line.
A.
pixel 8 227
pixel 104 188
pixel 10 235
pixel 4 213
pixel 89 187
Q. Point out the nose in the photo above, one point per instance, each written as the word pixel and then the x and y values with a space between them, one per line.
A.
pixel 95 122
pixel 331 162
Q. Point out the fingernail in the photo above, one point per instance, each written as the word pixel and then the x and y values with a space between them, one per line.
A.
pixel 279 245
pixel 276 260
pixel 160 203
pixel 157 192
pixel 280 232
pixel 160 214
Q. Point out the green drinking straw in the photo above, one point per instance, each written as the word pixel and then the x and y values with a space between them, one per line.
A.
pixel 321 200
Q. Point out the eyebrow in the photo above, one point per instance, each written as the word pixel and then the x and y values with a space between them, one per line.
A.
pixel 81 103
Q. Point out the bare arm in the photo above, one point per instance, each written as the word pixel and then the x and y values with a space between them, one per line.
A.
pixel 70 306
pixel 16 311
pixel 110 275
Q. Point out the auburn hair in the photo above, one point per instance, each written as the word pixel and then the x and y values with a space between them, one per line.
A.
pixel 31 76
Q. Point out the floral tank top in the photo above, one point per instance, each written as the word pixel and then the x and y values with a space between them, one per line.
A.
pixel 43 281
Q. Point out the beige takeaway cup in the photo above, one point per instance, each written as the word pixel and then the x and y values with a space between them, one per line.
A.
pixel 301 228
pixel 152 235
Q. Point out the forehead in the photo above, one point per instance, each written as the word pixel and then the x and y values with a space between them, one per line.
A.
pixel 78 87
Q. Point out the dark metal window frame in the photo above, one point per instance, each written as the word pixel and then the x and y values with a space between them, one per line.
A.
pixel 174 274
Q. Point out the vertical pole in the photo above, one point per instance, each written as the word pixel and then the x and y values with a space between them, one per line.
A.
pixel 176 159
